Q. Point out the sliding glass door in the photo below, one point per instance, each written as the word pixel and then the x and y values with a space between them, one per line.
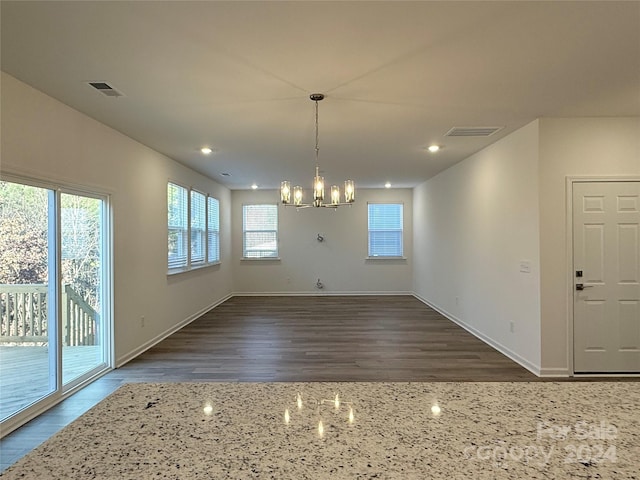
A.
pixel 54 294
pixel 81 236
pixel 27 336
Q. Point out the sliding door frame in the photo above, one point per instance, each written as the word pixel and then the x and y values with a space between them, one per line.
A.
pixel 61 391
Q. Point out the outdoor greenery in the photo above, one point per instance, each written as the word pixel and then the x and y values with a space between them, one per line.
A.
pixel 24 239
pixel 23 234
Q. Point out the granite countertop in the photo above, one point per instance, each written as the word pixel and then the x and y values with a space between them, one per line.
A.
pixel 539 430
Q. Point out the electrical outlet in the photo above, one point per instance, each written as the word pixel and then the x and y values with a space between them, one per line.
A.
pixel 142 321
pixel 457 300
pixel 512 327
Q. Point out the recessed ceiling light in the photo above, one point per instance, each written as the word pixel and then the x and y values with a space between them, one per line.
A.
pixel 254 186
pixel 387 185
pixel 434 148
pixel 206 150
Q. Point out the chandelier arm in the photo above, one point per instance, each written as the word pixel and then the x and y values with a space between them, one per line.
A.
pixel 336 205
pixel 302 205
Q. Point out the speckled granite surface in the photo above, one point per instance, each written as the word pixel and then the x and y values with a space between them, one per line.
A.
pixel 400 431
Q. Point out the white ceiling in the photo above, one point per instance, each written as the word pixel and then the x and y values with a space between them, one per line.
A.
pixel 397 75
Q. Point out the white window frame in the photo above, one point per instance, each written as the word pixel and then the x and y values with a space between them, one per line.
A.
pixel 197 236
pixel 213 230
pixel 401 230
pixel 181 229
pixel 191 263
pixel 276 252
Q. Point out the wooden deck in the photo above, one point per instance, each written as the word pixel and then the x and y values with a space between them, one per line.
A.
pixel 24 372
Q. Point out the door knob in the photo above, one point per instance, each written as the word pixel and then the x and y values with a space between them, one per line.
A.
pixel 582 286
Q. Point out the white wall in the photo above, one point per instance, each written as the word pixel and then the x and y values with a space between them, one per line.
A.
pixel 340 261
pixel 473 225
pixel 46 140
pixel 596 147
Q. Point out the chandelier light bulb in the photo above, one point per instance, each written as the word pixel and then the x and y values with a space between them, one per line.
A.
pixel 335 194
pixel 351 416
pixel 318 188
pixel 285 192
pixel 287 417
pixel 297 195
pixel 349 191
pixel 299 401
pixel 320 428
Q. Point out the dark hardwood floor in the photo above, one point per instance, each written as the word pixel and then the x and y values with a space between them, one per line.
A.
pixel 302 339
pixel 309 339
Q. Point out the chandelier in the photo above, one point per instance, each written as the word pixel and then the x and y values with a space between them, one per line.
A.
pixel 318 182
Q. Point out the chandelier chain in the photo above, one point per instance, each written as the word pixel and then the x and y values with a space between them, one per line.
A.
pixel 317 136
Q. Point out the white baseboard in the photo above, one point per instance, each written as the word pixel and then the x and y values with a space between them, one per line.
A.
pixel 154 341
pixel 316 293
pixel 535 369
pixel 555 372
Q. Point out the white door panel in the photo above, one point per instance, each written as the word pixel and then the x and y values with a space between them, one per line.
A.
pixel 606 250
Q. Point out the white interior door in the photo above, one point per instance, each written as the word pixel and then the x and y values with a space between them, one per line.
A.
pixel 606 259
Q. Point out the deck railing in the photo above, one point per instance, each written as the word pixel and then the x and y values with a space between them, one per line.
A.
pixel 24 316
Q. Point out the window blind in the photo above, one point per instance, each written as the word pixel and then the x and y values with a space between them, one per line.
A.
pixel 260 231
pixel 213 230
pixel 177 204
pixel 198 227
pixel 385 230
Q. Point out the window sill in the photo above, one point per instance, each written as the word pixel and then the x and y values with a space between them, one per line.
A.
pixel 260 259
pixel 177 271
pixel 386 258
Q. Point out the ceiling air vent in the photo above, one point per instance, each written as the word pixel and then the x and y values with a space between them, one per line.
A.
pixel 106 89
pixel 472 131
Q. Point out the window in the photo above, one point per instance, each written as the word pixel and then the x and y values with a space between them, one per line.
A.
pixel 213 230
pixel 260 231
pixel 193 228
pixel 198 227
pixel 385 230
pixel 177 203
